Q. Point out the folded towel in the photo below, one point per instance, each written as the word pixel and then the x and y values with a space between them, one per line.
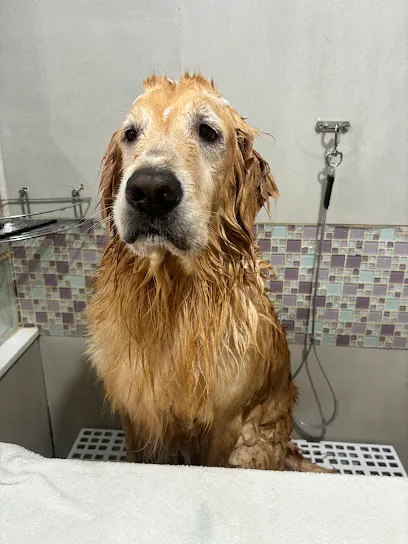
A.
pixel 63 501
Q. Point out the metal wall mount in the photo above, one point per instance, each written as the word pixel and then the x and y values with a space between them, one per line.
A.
pixel 29 224
pixel 332 126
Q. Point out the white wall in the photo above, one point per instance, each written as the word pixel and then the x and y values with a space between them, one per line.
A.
pixel 69 70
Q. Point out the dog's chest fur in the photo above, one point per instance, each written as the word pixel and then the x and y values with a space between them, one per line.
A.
pixel 190 361
pixel 177 352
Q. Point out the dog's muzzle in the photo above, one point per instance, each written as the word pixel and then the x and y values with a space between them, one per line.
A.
pixel 152 197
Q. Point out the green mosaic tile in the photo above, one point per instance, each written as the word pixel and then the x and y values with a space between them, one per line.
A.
pixel 346 315
pixel 387 234
pixel 365 276
pixel 279 232
pixel 370 342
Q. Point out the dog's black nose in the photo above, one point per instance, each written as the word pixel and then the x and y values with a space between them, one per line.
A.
pixel 153 191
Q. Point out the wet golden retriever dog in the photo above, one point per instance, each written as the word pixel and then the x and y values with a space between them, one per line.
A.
pixel 183 334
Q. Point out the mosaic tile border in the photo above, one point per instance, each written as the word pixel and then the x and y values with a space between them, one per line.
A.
pixel 362 298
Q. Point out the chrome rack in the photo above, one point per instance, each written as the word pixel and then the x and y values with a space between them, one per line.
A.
pixel 29 224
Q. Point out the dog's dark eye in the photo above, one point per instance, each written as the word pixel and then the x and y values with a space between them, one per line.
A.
pixel 131 134
pixel 207 133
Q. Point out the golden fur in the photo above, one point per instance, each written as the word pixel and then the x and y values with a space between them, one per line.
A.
pixel 188 345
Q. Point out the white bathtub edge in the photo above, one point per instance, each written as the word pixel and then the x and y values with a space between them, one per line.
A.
pixel 15 346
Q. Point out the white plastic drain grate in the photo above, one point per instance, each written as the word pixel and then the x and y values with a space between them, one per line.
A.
pixel 350 458
pixel 99 445
pixel 347 458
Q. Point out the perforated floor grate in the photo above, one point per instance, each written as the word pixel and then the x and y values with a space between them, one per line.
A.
pixel 348 458
pixel 99 445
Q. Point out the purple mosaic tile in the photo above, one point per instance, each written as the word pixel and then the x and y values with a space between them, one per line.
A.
pixel 399 343
pixel 22 279
pixel 362 302
pixel 320 301
pixel 67 317
pixel 53 305
pixel 331 315
pixel 387 330
pixel 353 261
pixel 87 228
pixel 19 253
pixel 401 248
pixel 277 260
pixel 264 245
pixel 305 287
pixel 340 233
pixel 302 313
pixel 349 289
pixel 293 246
pixel 90 255
pixel 288 325
pixel 370 248
pixel 309 233
pixel 379 290
pixel 62 267
pixel 276 286
pixel 396 277
pixel 326 246
pixel 323 274
pixel 50 280
pixel 35 266
pixel 41 317
pixel 342 340
pixel 337 261
pixel 79 306
pixel 101 240
pixel 358 328
pixel 65 293
pixel 356 234
pixel 384 262
pixel 60 240
pixel 75 254
pixel 26 304
pixel 291 273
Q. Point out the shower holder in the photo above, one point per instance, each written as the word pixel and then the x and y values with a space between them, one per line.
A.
pixel 332 126
pixel 30 224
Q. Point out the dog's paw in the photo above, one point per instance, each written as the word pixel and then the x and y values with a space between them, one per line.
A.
pixel 257 456
pixel 253 450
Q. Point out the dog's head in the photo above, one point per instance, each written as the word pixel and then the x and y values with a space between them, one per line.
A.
pixel 182 170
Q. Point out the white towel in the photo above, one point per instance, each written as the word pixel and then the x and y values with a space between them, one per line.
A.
pixel 59 501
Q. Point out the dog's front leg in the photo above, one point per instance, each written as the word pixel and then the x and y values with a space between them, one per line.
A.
pixel 132 455
pixel 219 441
pixel 265 435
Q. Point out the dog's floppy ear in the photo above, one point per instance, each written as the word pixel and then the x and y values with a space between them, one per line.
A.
pixel 110 176
pixel 254 182
pixel 264 182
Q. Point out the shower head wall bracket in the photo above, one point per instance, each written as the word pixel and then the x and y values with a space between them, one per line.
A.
pixel 332 126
